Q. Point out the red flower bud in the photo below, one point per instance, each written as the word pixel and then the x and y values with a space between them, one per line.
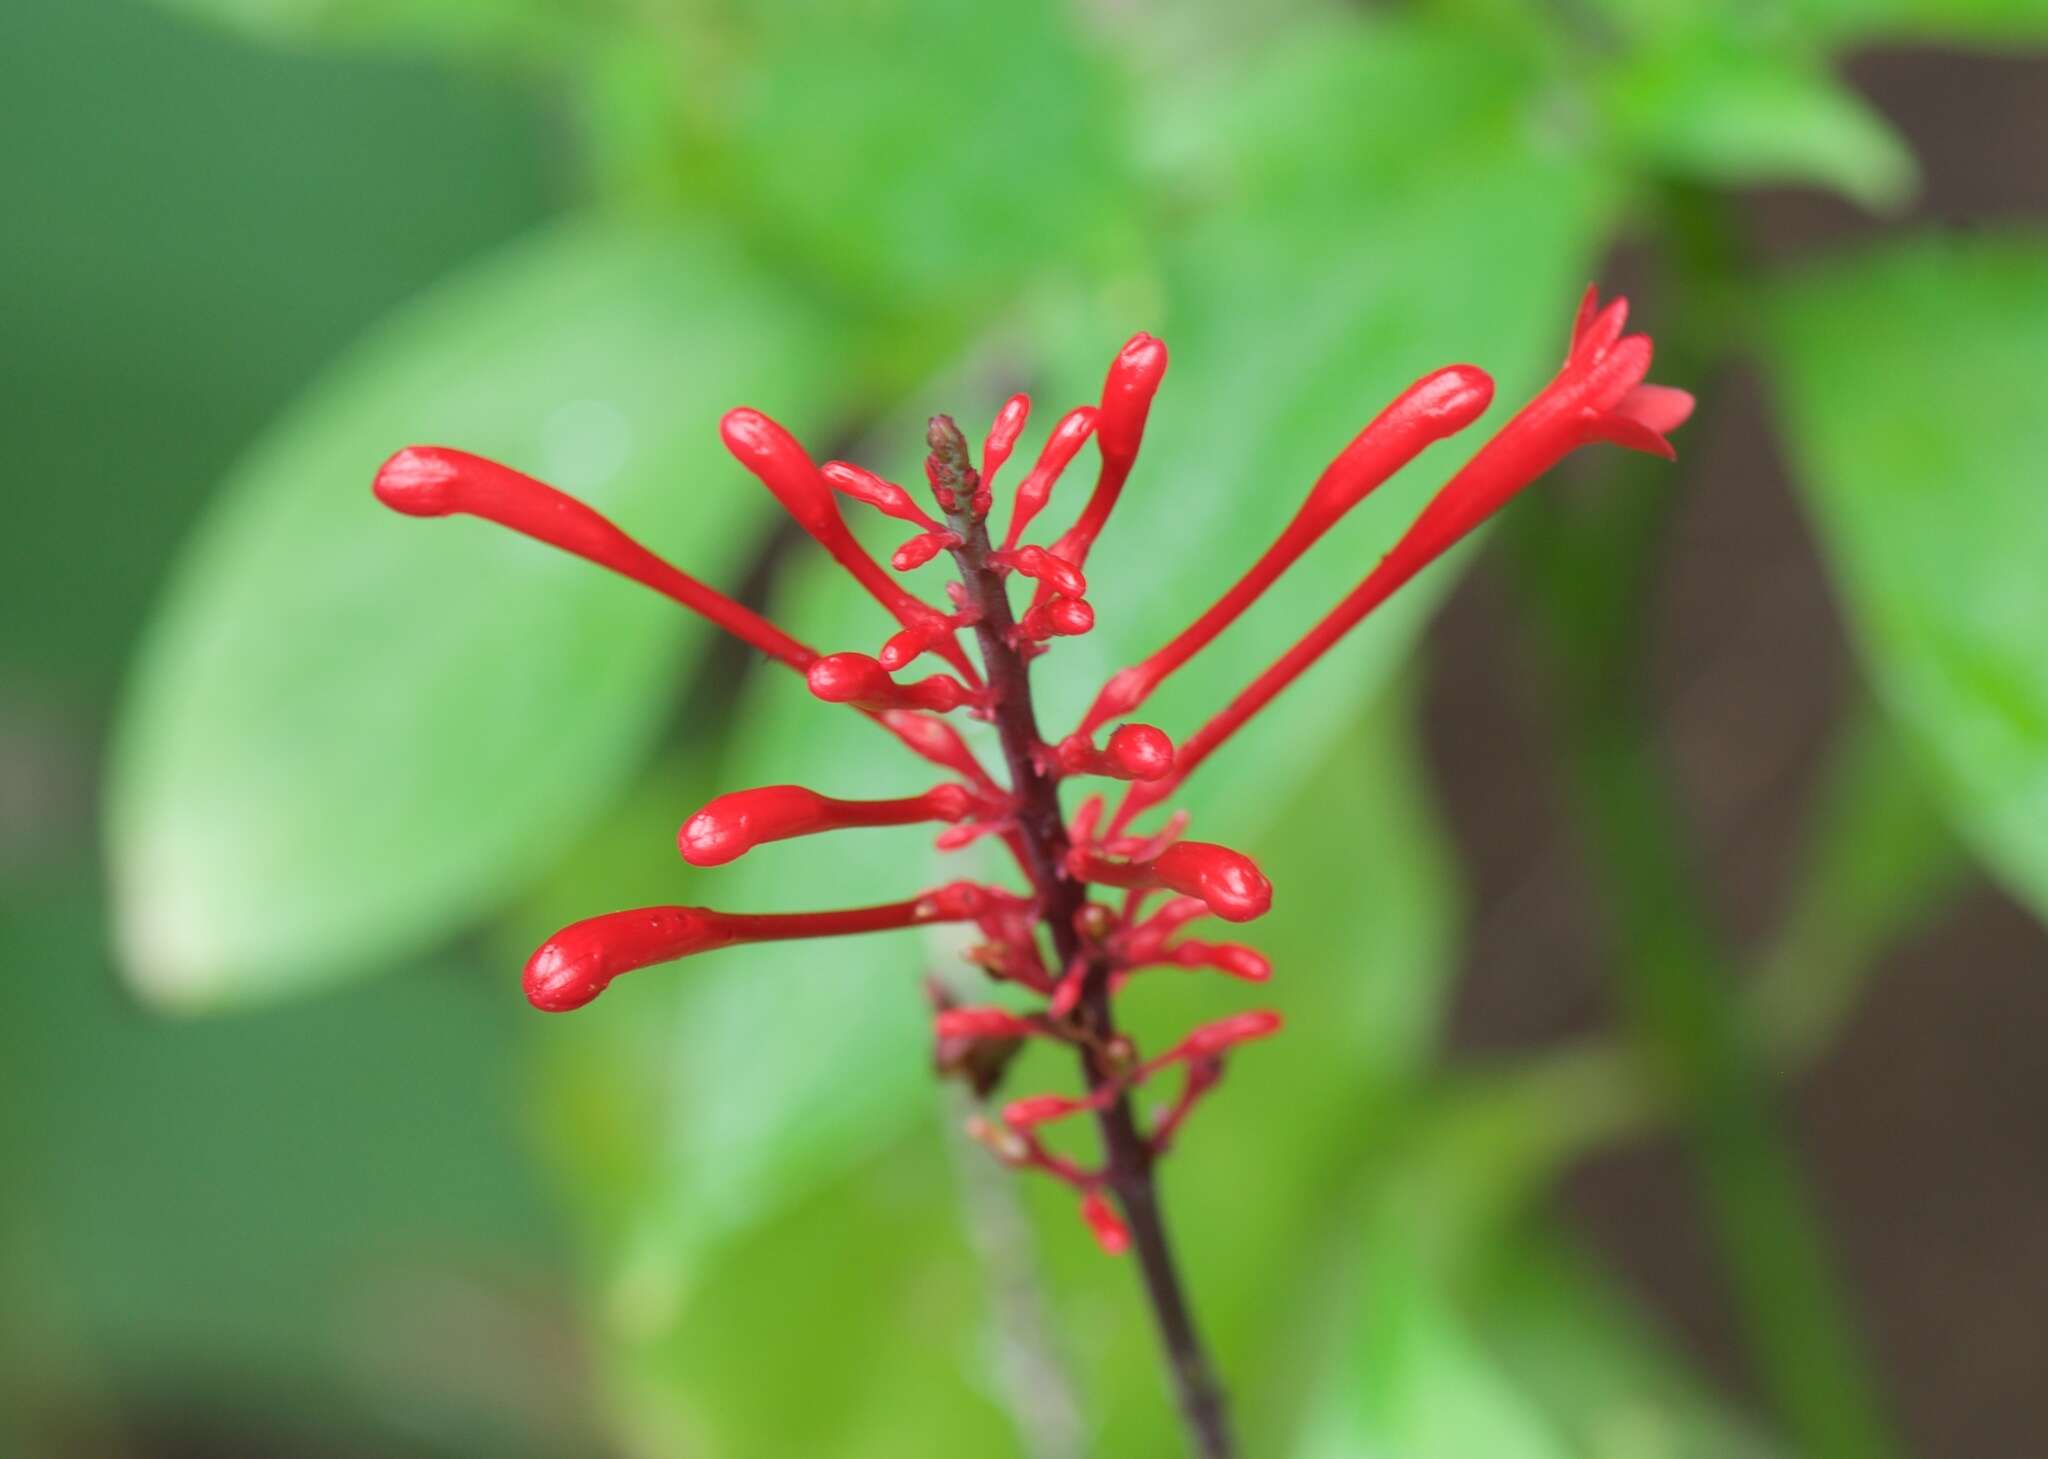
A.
pixel 1213 1038
pixel 1134 752
pixel 1109 1230
pixel 780 464
pixel 437 481
pixel 981 1023
pixel 1228 881
pixel 1002 438
pixel 1036 488
pixel 885 497
pixel 735 823
pixel 580 961
pixel 1134 377
pixel 851 678
pixel 1039 1109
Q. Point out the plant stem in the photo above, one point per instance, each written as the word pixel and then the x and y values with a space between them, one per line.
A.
pixel 1041 828
pixel 1585 581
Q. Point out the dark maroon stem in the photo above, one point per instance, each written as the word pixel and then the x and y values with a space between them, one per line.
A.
pixel 1041 828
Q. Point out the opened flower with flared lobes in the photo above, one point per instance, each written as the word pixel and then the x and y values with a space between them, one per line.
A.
pixel 1081 920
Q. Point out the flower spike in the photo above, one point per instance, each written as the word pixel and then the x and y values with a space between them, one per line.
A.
pixel 1064 943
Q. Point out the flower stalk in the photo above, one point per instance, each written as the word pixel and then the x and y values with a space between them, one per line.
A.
pixel 1054 940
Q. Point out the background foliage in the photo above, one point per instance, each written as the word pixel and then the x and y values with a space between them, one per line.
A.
pixel 355 766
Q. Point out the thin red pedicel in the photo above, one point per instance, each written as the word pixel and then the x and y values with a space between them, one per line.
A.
pixel 884 496
pixel 1597 396
pixel 735 823
pixel 856 679
pixel 580 961
pixel 1440 404
pixel 1035 489
pixel 1133 752
pixel 1226 880
pixel 774 457
pixel 437 481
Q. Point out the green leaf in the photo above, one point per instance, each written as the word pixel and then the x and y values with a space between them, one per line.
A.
pixel 1737 105
pixel 529 27
pixel 350 731
pixel 929 159
pixel 1907 376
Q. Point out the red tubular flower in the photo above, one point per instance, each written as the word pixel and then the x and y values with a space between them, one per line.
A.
pixel 1036 489
pixel 1054 942
pixel 774 457
pixel 856 679
pixel 1438 405
pixel 1134 377
pixel 999 443
pixel 1226 881
pixel 436 481
pixel 1599 395
pixel 580 961
pixel 982 1023
pixel 885 497
pixel 734 824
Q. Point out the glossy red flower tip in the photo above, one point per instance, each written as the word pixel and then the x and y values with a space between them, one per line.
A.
pixel 734 824
pixel 1228 882
pixel 1132 752
pixel 856 679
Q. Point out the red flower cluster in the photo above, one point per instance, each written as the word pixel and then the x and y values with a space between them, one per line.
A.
pixel 1069 952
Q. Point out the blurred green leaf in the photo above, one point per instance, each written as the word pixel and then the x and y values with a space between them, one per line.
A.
pixel 926 159
pixel 529 27
pixel 350 731
pixel 1736 102
pixel 1981 22
pixel 1908 377
pixel 319 1209
pixel 1490 1336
